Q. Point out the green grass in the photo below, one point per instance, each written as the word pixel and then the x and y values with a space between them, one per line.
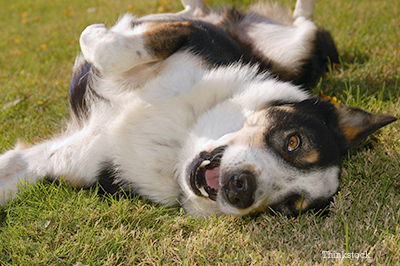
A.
pixel 55 225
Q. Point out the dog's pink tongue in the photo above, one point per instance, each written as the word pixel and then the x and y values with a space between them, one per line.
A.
pixel 212 177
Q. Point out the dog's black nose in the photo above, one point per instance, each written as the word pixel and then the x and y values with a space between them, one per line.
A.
pixel 240 189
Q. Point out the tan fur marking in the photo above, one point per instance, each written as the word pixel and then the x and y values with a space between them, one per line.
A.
pixel 287 109
pixel 350 133
pixel 300 205
pixel 251 168
pixel 260 209
pixel 351 122
pixel 165 38
pixel 311 157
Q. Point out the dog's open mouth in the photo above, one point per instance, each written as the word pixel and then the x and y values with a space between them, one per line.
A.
pixel 204 173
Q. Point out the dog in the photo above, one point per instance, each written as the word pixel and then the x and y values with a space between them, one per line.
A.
pixel 205 108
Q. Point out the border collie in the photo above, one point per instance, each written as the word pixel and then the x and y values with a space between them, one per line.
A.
pixel 208 109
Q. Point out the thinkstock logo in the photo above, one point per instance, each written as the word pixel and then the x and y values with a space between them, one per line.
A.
pixel 345 255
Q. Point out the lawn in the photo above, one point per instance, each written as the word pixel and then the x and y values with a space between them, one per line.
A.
pixel 52 224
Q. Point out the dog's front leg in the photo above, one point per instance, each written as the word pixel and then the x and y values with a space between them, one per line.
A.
pixel 13 173
pixel 20 167
pixel 113 52
pixel 131 43
pixel 76 159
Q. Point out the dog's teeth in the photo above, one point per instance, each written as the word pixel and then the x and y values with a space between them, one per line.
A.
pixel 203 192
pixel 205 163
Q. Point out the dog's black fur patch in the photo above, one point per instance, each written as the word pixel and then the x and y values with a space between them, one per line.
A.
pixel 324 54
pixel 216 46
pixel 77 88
pixel 106 179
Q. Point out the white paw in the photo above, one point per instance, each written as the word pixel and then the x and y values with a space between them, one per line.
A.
pixel 13 169
pixel 194 8
pixel 111 51
pixel 305 9
pixel 89 40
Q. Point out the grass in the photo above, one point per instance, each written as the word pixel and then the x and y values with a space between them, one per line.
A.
pixel 52 224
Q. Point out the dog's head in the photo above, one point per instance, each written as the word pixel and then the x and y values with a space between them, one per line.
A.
pixel 286 157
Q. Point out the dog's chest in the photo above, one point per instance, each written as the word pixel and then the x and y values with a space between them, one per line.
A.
pixel 149 134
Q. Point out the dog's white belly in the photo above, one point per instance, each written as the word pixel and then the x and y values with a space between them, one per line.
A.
pixel 148 135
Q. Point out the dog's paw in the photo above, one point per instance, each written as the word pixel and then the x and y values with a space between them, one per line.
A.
pixel 304 9
pixel 194 8
pixel 13 169
pixel 89 39
pixel 112 51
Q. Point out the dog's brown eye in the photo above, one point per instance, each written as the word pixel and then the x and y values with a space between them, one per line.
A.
pixel 293 143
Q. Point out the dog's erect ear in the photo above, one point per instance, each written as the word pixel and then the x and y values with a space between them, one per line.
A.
pixel 350 125
pixel 357 124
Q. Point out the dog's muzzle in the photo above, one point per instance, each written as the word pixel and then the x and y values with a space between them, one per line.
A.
pixel 205 172
pixel 206 180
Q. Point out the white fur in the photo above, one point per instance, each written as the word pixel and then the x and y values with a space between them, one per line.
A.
pixel 288 45
pixel 116 50
pixel 305 9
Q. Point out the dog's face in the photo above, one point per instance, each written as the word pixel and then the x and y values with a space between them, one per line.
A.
pixel 284 157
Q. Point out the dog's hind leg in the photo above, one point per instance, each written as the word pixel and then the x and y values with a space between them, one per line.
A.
pixel 304 9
